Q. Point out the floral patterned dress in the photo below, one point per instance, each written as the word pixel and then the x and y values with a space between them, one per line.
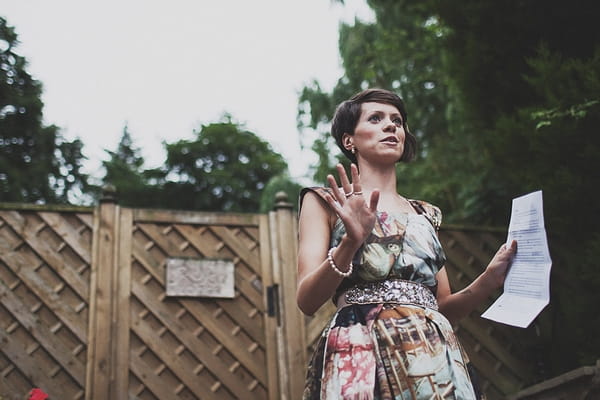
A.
pixel 385 351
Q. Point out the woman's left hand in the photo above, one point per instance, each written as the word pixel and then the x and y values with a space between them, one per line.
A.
pixel 357 215
pixel 500 264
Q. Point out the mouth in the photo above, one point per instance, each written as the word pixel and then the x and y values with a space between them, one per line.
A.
pixel 390 139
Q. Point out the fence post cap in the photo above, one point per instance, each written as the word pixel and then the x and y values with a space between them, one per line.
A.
pixel 281 201
pixel 109 194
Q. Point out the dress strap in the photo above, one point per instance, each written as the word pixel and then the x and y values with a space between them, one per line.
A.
pixel 431 212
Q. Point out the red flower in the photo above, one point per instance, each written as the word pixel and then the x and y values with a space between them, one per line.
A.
pixel 37 394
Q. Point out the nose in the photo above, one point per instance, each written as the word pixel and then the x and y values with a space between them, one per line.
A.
pixel 390 126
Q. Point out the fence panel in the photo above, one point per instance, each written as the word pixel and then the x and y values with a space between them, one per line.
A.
pixel 45 267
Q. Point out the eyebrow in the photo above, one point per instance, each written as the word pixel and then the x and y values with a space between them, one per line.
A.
pixel 376 111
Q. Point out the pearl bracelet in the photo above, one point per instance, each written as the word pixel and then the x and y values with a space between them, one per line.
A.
pixel 335 267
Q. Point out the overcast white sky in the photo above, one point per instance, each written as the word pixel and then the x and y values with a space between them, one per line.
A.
pixel 166 67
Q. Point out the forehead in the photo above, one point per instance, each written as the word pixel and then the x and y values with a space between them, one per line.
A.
pixel 369 107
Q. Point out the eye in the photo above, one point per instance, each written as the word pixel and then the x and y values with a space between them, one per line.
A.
pixel 397 121
pixel 375 118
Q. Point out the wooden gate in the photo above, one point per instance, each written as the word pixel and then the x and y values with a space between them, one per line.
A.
pixel 84 312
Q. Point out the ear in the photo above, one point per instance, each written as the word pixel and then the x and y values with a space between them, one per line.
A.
pixel 347 141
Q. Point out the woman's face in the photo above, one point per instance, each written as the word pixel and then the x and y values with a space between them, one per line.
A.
pixel 379 134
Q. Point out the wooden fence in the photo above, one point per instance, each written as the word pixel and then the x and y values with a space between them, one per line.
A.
pixel 582 383
pixel 84 312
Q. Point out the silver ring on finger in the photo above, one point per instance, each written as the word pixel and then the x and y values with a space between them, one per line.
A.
pixel 358 193
pixel 349 194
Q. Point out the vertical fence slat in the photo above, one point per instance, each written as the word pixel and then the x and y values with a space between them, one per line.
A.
pixel 292 337
pixel 122 303
pixel 99 361
pixel 270 321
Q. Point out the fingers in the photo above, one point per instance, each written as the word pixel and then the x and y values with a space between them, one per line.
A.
pixel 344 180
pixel 336 190
pixel 334 203
pixel 349 188
pixel 356 186
pixel 506 252
pixel 511 248
pixel 374 200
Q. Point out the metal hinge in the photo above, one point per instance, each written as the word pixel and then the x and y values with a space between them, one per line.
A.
pixel 273 302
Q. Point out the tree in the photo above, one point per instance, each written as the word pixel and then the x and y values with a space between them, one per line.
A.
pixel 223 169
pixel 530 104
pixel 280 183
pixel 124 170
pixel 490 50
pixel 558 152
pixel 401 51
pixel 36 163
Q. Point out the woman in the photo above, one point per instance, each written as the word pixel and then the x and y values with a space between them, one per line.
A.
pixel 377 255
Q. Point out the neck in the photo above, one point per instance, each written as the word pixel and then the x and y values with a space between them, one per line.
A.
pixel 377 178
pixel 383 179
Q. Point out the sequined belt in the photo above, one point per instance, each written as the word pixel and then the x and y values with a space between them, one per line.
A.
pixel 390 291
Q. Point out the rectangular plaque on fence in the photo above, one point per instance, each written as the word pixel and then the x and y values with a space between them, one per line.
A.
pixel 200 277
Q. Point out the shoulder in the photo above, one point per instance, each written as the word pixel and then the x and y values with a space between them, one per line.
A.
pixel 317 190
pixel 313 206
pixel 431 212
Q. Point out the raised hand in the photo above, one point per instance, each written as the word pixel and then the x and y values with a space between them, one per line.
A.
pixel 351 206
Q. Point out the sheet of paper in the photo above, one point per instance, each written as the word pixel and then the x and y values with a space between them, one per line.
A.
pixel 527 285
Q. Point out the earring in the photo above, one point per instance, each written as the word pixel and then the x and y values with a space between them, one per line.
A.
pixel 353 150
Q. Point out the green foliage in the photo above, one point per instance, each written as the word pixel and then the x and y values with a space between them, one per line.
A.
pixel 280 183
pixel 569 139
pixel 124 171
pixel 36 163
pixel 400 52
pixel 508 61
pixel 224 168
pixel 577 111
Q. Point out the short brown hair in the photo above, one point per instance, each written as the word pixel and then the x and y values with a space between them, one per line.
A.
pixel 348 112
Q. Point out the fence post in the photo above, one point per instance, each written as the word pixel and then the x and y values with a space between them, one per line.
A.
pixel 291 336
pixel 102 281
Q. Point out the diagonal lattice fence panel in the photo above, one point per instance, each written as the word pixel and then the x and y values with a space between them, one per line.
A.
pixel 45 262
pixel 213 347
pixel 500 353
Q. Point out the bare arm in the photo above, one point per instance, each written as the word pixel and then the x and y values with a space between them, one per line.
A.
pixel 458 305
pixel 317 280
